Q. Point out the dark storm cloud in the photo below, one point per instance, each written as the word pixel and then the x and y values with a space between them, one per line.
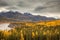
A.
pixel 32 5
pixel 3 3
pixel 39 8
pixel 8 2
pixel 49 6
pixel 42 7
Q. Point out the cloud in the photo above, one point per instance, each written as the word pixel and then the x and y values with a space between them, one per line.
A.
pixel 39 8
pixel 12 7
pixel 50 6
pixel 23 4
pixel 3 3
pixel 8 2
pixel 33 6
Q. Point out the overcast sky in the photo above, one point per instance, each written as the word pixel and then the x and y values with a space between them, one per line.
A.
pixel 50 8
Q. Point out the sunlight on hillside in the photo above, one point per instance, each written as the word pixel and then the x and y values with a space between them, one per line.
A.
pixel 48 30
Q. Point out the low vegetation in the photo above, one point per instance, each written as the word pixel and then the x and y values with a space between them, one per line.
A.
pixel 48 30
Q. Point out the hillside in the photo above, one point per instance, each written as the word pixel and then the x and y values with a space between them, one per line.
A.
pixel 52 23
pixel 17 16
pixel 32 30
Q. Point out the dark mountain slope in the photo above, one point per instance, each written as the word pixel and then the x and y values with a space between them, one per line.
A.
pixel 24 17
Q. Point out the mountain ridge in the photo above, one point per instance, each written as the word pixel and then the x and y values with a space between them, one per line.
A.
pixel 24 17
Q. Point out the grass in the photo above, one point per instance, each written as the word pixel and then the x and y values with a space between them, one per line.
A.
pixel 32 31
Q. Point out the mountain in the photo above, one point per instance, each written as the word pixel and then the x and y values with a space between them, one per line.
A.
pixel 17 16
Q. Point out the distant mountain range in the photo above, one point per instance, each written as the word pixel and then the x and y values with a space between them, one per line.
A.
pixel 17 16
